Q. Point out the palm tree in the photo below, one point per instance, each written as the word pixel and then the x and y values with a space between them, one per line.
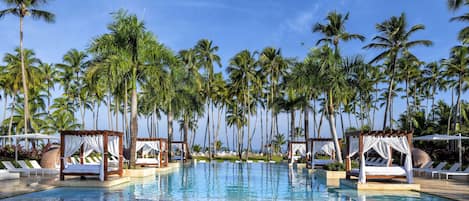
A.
pixel 394 40
pixel 71 71
pixel 334 31
pixel 456 68
pixel 242 72
pixel 454 5
pixel 128 45
pixel 15 80
pixel 433 80
pixel 274 67
pixel 21 9
pixel 50 77
pixel 278 142
pixel 207 57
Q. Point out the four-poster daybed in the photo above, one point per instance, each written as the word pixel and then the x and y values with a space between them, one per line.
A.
pixel 102 141
pixel 320 146
pixel 147 145
pixel 293 148
pixel 184 150
pixel 383 142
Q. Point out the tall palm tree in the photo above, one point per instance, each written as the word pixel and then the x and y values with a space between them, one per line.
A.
pixel 207 57
pixel 463 35
pixel 134 51
pixel 71 71
pixel 432 74
pixel 456 68
pixel 334 31
pixel 21 9
pixel 242 72
pixel 394 39
pixel 274 66
pixel 50 77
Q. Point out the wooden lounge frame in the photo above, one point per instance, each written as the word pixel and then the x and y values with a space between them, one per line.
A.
pixel 290 145
pixel 360 135
pixel 163 153
pixel 185 150
pixel 105 134
pixel 310 146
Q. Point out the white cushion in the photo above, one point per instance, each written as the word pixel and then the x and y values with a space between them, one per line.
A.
pixel 388 171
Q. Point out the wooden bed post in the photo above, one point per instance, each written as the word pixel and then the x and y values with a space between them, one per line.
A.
pixel 290 155
pixel 166 154
pixel 121 155
pixel 82 157
pixel 105 150
pixel 348 162
pixel 62 148
pixel 159 153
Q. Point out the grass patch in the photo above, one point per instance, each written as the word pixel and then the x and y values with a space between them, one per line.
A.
pixel 235 158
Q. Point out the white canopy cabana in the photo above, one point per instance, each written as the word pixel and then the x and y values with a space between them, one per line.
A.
pixel 29 136
pixel 147 145
pixel 382 142
pixel 321 146
pixel 442 137
pixel 296 146
pixel 104 142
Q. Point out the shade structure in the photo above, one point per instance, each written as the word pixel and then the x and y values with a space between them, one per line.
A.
pixel 29 136
pixel 442 137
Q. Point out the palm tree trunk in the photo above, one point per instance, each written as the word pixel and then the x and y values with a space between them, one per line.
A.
pixel 458 103
pixel 24 79
pixel 208 132
pixel 5 104
pixel 217 132
pixel 388 100
pixel 109 116
pixel 292 124
pixel 10 125
pixel 186 128
pixel 332 127
pixel 320 122
pixel 126 102
pixel 262 135
pixel 133 118
pixel 170 128
pixel 306 125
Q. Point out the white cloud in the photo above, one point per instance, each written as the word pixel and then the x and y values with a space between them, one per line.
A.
pixel 303 21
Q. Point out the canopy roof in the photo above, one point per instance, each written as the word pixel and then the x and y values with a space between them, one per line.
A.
pixel 31 136
pixel 436 137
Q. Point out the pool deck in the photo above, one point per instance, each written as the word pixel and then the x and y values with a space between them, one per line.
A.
pixel 451 189
pixel 24 185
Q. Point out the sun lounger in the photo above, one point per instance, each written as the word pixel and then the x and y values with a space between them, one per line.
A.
pixel 6 175
pixel 11 168
pixel 36 165
pixel 453 168
pixel 74 160
pixel 423 168
pixel 439 167
pixel 26 166
pixel 454 173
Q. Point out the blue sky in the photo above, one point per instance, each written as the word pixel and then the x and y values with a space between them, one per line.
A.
pixel 233 26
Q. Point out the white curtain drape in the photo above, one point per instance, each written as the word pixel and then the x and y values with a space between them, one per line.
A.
pixel 72 144
pixel 383 150
pixel 87 150
pixel 300 148
pixel 113 146
pixel 147 146
pixel 401 144
pixel 324 147
pixel 353 146
pixel 96 143
pixel 368 143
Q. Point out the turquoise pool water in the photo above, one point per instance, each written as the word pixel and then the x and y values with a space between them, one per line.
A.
pixel 225 181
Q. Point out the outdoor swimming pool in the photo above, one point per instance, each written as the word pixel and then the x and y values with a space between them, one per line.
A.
pixel 225 181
